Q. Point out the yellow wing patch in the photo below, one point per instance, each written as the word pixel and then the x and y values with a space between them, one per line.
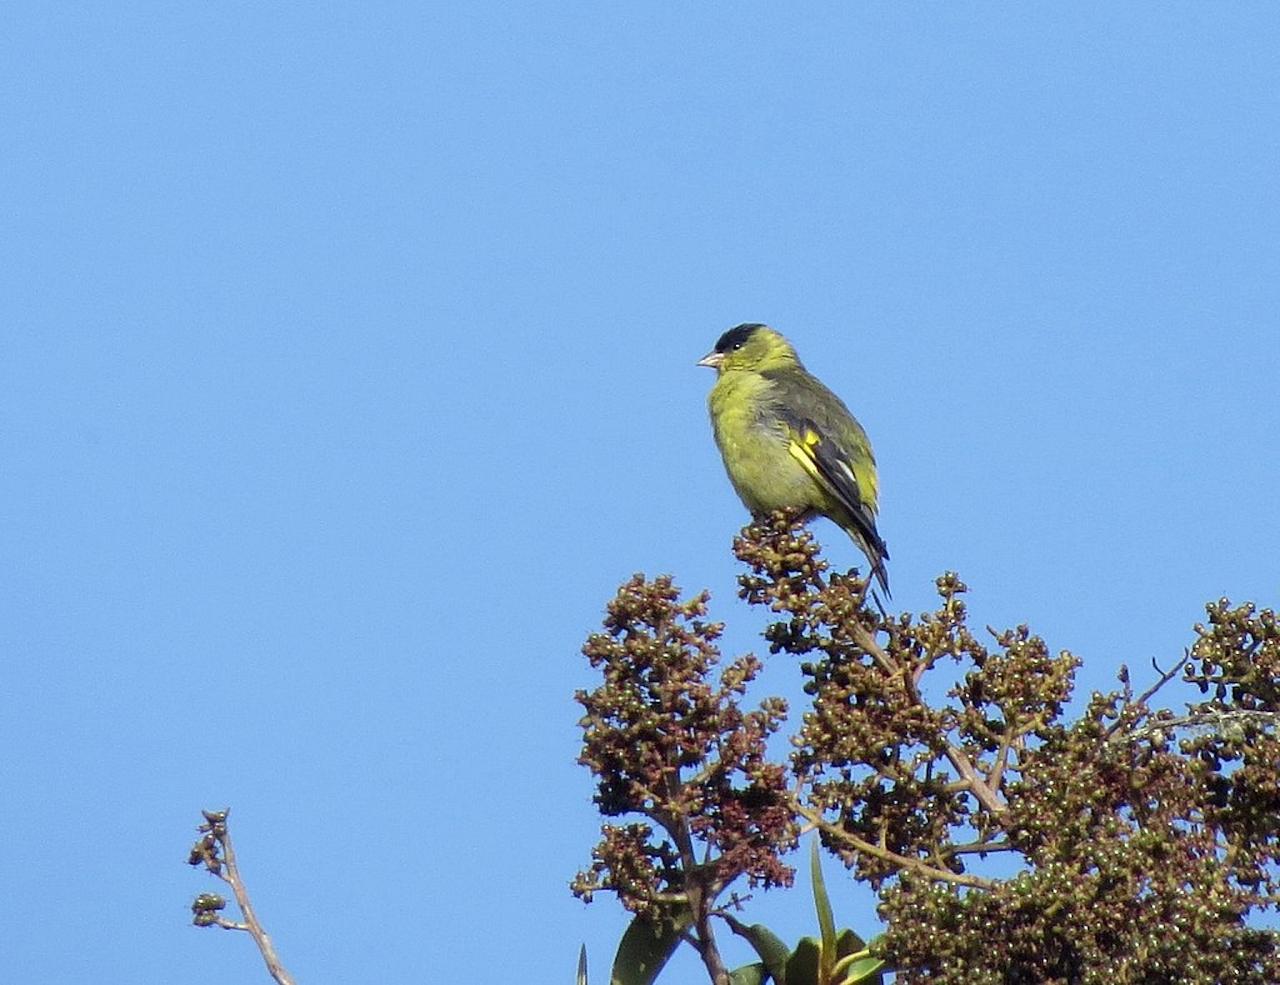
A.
pixel 857 488
pixel 802 449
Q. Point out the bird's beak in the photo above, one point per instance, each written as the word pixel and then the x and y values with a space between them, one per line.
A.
pixel 712 360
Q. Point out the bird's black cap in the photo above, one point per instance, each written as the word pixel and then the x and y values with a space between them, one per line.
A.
pixel 735 337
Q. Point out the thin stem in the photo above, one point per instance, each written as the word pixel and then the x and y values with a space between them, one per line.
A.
pixel 958 758
pixel 1141 704
pixel 700 893
pixel 226 924
pixel 1216 720
pixel 231 875
pixel 901 861
pixel 996 776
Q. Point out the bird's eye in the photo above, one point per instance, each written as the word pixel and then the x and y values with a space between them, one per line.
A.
pixel 737 346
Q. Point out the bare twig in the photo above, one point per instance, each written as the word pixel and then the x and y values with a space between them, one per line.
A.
pixel 920 867
pixel 700 894
pixel 215 851
pixel 1140 705
pixel 959 759
pixel 1165 677
pixel 1217 721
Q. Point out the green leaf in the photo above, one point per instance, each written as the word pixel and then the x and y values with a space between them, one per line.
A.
pixel 802 966
pixel 749 974
pixel 863 970
pixel 769 946
pixel 848 942
pixel 846 960
pixel 646 947
pixel 855 964
pixel 826 922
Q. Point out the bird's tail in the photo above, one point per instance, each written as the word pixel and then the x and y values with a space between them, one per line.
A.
pixel 877 554
pixel 881 573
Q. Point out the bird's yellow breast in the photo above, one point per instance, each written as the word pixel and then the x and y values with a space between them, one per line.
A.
pixel 754 445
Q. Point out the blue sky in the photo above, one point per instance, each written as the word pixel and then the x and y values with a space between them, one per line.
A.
pixel 346 366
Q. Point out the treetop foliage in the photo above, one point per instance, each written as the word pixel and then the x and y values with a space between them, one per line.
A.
pixel 1146 839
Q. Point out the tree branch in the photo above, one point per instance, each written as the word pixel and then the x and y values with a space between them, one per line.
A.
pixel 215 851
pixel 915 865
pixel 959 759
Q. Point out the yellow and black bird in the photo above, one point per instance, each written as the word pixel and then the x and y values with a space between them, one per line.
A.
pixel 788 442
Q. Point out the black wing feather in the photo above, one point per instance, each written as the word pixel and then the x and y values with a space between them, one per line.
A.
pixel 832 462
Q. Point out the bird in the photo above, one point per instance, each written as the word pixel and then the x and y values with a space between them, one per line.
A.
pixel 788 442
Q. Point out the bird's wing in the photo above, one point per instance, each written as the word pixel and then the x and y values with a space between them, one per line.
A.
pixel 832 447
pixel 824 459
